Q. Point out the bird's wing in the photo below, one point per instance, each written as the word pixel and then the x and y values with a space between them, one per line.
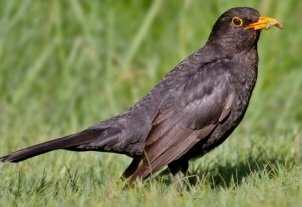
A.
pixel 194 107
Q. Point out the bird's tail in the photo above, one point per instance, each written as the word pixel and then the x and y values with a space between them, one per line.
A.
pixel 66 142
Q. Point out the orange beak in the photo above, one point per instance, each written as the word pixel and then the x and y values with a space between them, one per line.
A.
pixel 264 23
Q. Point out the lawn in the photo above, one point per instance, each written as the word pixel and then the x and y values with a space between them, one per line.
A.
pixel 68 64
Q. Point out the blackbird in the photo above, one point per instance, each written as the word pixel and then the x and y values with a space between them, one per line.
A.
pixel 188 113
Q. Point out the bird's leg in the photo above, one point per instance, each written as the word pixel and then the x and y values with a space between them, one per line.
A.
pixel 178 165
pixel 131 168
pixel 176 168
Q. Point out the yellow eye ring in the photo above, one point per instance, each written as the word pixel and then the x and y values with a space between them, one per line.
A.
pixel 237 22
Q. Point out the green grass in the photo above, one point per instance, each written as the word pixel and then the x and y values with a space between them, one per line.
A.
pixel 68 64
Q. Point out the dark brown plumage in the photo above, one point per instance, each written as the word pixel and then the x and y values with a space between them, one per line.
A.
pixel 187 114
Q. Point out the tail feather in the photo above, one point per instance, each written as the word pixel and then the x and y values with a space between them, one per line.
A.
pixel 80 138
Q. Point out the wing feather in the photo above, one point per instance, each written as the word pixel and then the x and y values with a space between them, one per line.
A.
pixel 188 115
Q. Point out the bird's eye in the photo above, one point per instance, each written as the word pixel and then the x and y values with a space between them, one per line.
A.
pixel 237 22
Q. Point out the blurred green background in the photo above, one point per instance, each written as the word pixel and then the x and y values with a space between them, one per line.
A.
pixel 65 65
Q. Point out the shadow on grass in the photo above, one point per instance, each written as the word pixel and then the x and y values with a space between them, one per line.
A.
pixel 231 173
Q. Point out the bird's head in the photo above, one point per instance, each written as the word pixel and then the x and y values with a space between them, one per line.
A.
pixel 239 28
